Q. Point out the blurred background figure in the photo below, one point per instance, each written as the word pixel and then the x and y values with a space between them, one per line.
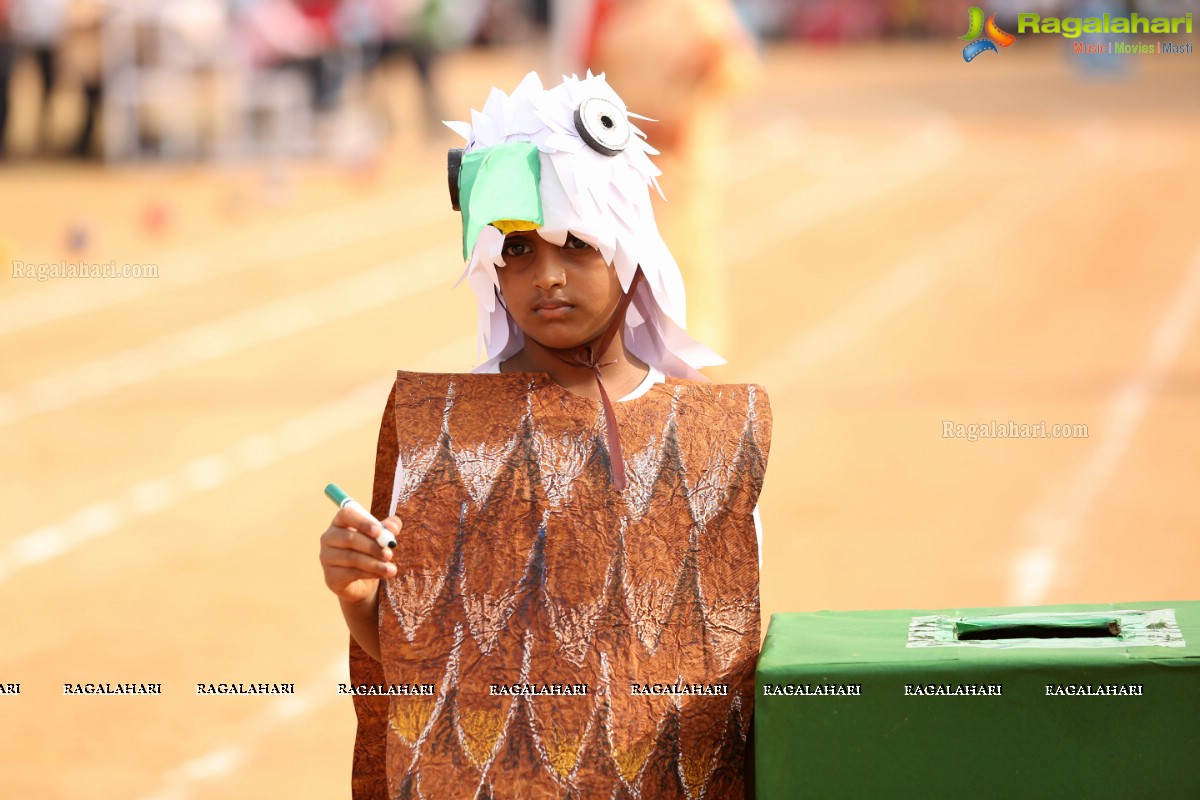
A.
pixel 417 32
pixel 83 64
pixel 230 79
pixel 7 56
pixel 162 71
pixel 62 42
pixel 343 57
pixel 1111 65
pixel 677 62
pixel 36 28
pixel 846 21
pixel 283 75
pixel 329 63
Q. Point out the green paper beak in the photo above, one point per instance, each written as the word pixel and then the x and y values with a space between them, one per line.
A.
pixel 499 183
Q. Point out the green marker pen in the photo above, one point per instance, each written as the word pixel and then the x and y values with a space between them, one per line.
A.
pixel 343 500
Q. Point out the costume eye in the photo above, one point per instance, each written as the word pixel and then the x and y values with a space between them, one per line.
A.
pixel 454 159
pixel 602 125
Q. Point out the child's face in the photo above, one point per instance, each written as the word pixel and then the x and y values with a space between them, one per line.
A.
pixel 560 297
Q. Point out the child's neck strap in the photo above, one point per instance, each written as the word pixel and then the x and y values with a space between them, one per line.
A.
pixel 588 357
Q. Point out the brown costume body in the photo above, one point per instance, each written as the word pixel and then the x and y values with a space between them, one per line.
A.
pixel 521 569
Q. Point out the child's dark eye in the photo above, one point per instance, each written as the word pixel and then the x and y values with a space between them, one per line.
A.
pixel 575 243
pixel 516 248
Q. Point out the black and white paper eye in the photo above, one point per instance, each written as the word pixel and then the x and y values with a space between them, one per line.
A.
pixel 454 160
pixel 603 125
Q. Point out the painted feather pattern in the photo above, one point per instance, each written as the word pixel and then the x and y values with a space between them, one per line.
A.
pixel 575 641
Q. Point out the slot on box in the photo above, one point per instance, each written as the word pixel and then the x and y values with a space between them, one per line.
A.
pixel 966 630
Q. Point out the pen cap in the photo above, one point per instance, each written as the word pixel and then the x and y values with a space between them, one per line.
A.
pixel 335 493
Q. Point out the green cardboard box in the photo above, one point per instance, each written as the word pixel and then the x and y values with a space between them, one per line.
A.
pixel 1075 702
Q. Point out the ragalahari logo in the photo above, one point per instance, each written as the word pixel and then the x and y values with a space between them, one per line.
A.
pixel 993 35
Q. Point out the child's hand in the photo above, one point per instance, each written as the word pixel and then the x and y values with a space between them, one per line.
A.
pixel 351 558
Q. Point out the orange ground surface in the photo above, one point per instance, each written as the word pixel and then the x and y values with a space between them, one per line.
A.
pixel 909 240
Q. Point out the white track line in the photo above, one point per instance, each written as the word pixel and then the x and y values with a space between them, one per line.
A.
pixel 1056 523
pixel 361 407
pixel 316 232
pixel 225 256
pixel 926 150
pixel 266 323
pixel 803 208
pixel 223 759
pixel 331 229
pixel 226 757
pixel 199 474
pixel 914 159
pixel 903 284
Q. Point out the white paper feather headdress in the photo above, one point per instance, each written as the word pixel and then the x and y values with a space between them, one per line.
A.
pixel 591 172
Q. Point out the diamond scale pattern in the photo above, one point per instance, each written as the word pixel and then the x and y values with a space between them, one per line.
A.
pixel 521 566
